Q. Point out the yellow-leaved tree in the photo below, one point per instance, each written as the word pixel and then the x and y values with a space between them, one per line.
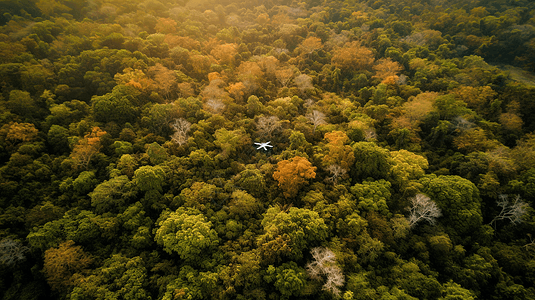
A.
pixel 87 147
pixel 62 263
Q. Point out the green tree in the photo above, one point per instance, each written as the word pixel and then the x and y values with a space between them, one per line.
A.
pixel 244 205
pixel 186 232
pixel 289 279
pixel 148 178
pixel 454 291
pixel 407 167
pixel 84 183
pixel 252 180
pixel 290 233
pixel 373 195
pixel 122 147
pixel 117 106
pixel 113 194
pixel 193 284
pixel 119 277
pixel 230 141
pixel 157 154
pixel 127 164
pixel 158 117
pixel 57 138
pixel 199 195
pixel 135 221
pixel 244 276
pixel 371 161
pixel 67 112
pixel 458 199
pixel 409 277
pixel 22 104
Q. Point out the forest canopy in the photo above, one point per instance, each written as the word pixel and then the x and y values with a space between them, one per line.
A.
pixel 401 162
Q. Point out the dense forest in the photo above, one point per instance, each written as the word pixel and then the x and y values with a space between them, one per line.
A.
pixel 401 162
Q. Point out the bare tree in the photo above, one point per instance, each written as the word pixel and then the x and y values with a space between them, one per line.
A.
pixel 215 106
pixel 267 125
pixel 317 118
pixel 336 173
pixel 308 103
pixel 284 76
pixel 324 268
pixel 513 211
pixel 11 252
pixel 423 208
pixel 531 244
pixel 303 82
pixel 181 127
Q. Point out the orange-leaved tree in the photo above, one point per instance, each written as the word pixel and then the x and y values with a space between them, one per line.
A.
pixel 165 80
pixel 387 70
pixel 310 45
pixel 225 53
pixel 136 78
pixel 353 56
pixel 87 147
pixel 293 173
pixel 339 153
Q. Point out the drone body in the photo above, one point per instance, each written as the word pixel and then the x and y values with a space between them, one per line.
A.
pixel 263 145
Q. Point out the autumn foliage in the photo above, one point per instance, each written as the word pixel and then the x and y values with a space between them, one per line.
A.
pixel 353 56
pixel 293 173
pixel 87 147
pixel 339 153
pixel 63 262
pixel 387 70
pixel 130 165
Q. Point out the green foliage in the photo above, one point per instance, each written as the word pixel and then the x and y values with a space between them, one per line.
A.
pixel 134 220
pixel 252 180
pixel 119 277
pixel 244 205
pixel 373 195
pixel 458 199
pixel 407 166
pixel 117 106
pixel 186 233
pixel 58 139
pixel 290 233
pixel 90 166
pixel 370 161
pixel 84 183
pixel 122 147
pixel 454 291
pixel 289 279
pixel 148 178
pixel 192 284
pixel 416 284
pixel 230 141
pixel 113 194
pixel 127 164
pixel 157 154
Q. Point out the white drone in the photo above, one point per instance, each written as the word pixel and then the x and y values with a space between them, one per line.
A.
pixel 263 145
